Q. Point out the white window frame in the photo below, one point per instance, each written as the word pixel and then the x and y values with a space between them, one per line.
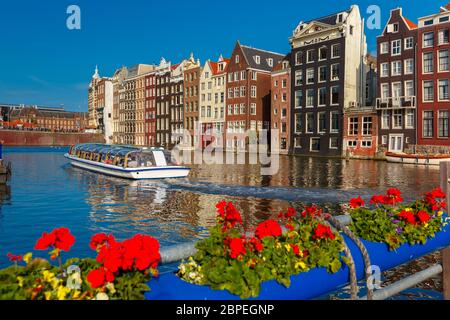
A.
pixel 399 47
pixel 384 72
pixel 295 99
pixel 331 72
pixel 310 144
pixel 384 47
pixel 438 91
pixel 329 144
pixel 331 96
pixel 318 97
pixel 393 118
pixel 409 112
pixel 423 91
pixel 406 43
pixel 439 36
pixel 405 90
pixel 306 122
pixel 332 51
pixel 432 62
pixel 306 101
pixel 331 122
pixel 307 56
pixel 423 40
pixel 439 61
pixel 394 64
pixel 406 61
pixel 385 115
pixel 318 121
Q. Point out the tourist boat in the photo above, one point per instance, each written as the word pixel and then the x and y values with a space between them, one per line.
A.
pixel 432 160
pixel 126 161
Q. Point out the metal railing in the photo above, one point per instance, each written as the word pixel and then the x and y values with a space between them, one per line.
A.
pixel 396 103
pixel 184 251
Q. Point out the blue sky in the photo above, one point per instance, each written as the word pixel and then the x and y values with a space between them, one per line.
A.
pixel 44 63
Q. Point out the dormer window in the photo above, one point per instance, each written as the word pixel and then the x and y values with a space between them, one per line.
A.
pixel 270 62
pixel 237 59
pixel 220 66
pixel 340 18
pixel 285 64
pixel 395 27
pixel 257 59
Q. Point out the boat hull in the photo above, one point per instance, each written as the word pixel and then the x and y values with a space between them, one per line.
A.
pixel 416 159
pixel 130 173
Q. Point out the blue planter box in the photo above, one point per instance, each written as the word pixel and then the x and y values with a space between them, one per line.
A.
pixel 306 285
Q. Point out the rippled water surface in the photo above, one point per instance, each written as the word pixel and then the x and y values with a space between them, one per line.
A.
pixel 46 192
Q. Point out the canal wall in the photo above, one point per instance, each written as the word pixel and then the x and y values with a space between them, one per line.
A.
pixel 33 138
pixel 428 149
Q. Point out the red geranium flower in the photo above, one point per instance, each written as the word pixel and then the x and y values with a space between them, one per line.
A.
pixel 45 241
pixel 393 196
pixel 312 211
pixel 423 216
pixel 323 232
pixel 59 238
pixel 228 214
pixel 100 239
pixel 377 199
pixel 236 246
pixel 63 239
pixel 269 228
pixel 257 244
pixel 407 216
pixel 295 249
pixel 436 193
pixel 96 277
pixel 14 258
pixel 356 202
pixel 290 227
pixel 140 252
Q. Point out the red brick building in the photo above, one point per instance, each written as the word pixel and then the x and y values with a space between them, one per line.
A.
pixel 361 132
pixel 150 109
pixel 433 79
pixel 396 102
pixel 56 120
pixel 281 103
pixel 192 99
pixel 248 92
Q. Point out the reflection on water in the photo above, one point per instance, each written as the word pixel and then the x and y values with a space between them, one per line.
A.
pixel 48 193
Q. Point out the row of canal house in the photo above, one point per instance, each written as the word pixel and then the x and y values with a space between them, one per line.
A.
pixel 326 97
pixel 413 101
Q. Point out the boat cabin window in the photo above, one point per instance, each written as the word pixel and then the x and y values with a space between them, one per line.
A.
pixel 140 159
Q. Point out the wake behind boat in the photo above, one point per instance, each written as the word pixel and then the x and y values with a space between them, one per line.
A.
pixel 125 161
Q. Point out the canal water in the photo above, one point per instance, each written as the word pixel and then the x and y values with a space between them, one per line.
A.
pixel 46 192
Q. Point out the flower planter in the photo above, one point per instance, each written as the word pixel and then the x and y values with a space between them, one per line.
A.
pixel 381 256
pixel 306 285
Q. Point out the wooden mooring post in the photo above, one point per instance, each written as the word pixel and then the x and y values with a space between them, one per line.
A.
pixel 445 185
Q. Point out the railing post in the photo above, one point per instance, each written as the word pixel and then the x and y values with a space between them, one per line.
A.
pixel 445 174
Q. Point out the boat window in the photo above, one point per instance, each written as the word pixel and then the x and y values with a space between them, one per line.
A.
pixel 146 159
pixel 171 161
pixel 132 161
